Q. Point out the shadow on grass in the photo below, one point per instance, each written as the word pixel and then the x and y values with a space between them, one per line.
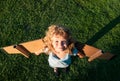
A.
pixel 104 70
pixel 104 30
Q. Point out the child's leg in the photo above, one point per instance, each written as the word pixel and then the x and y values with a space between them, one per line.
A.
pixel 66 70
pixel 56 71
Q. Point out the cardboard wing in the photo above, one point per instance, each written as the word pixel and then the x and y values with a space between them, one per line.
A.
pixel 94 53
pixel 36 45
pixel 25 48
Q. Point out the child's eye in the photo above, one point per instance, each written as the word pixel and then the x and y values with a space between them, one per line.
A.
pixel 64 42
pixel 56 41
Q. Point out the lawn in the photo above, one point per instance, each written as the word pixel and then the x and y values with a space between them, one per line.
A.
pixel 95 22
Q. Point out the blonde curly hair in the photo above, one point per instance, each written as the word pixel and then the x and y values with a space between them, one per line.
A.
pixel 58 30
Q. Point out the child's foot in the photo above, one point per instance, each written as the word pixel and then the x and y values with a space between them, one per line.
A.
pixel 65 70
pixel 56 72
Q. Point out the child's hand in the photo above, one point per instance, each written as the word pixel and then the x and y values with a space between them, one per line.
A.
pixel 81 55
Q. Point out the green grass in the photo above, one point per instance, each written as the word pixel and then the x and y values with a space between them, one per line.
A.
pixel 95 22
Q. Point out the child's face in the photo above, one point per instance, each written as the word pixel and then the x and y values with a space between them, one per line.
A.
pixel 59 43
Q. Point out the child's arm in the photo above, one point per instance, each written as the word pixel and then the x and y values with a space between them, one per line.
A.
pixel 77 52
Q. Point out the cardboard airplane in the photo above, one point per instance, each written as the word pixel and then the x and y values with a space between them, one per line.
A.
pixel 32 46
